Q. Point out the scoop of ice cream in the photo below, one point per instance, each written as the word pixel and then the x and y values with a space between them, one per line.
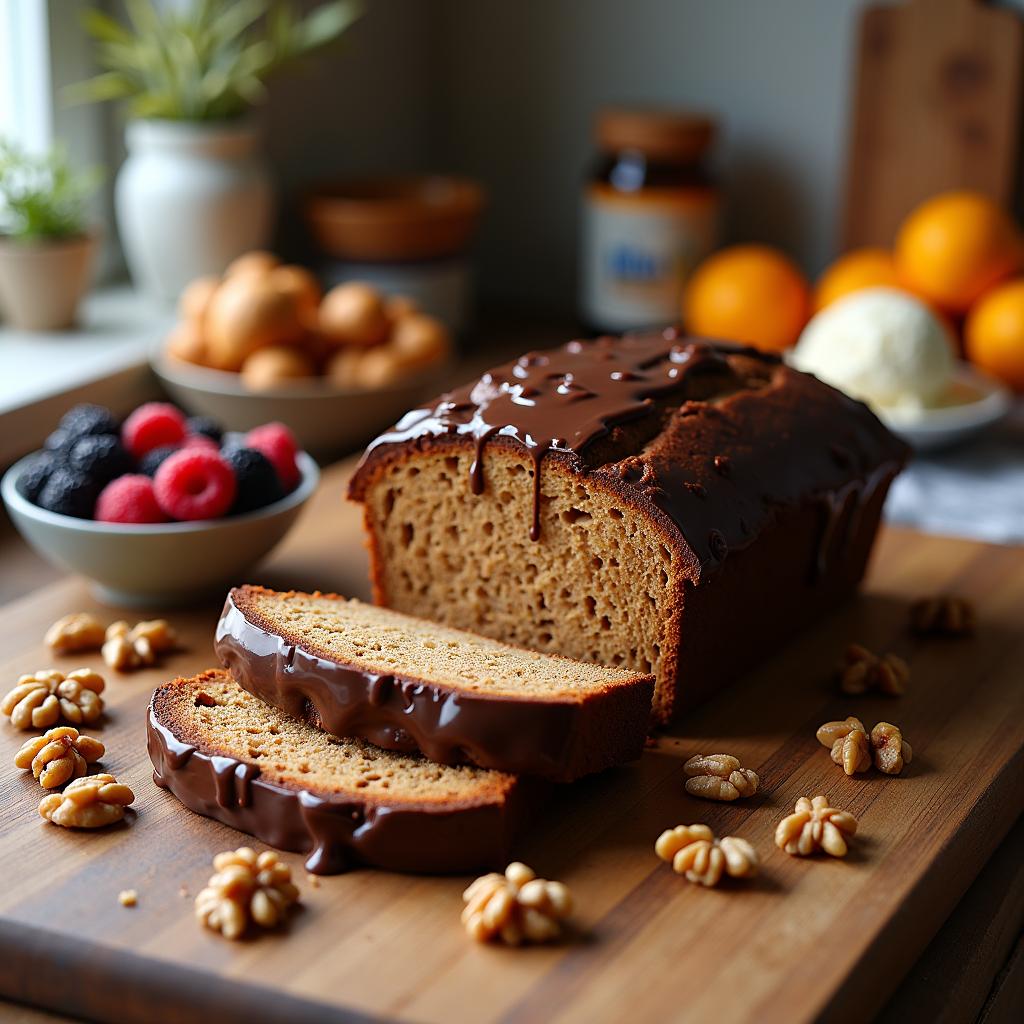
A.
pixel 882 346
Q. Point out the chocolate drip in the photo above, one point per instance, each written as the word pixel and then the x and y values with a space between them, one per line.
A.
pixel 564 400
pixel 721 436
pixel 335 832
pixel 558 739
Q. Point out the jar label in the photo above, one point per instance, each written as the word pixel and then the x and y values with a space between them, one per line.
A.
pixel 638 250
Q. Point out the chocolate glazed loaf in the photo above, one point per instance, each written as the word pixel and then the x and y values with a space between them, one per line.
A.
pixel 663 504
pixel 227 756
pixel 414 686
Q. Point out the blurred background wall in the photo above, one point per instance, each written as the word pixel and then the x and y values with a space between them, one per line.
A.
pixel 506 92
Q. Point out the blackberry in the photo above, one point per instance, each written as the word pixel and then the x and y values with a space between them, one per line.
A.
pixel 86 420
pixel 205 427
pixel 35 475
pixel 257 480
pixel 150 462
pixel 101 456
pixel 69 492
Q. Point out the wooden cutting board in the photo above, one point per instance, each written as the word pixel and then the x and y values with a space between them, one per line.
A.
pixel 937 105
pixel 807 939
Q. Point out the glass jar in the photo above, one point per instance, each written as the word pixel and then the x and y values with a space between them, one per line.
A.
pixel 650 215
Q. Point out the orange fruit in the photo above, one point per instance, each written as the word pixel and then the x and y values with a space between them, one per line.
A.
pixel 955 246
pixel 748 293
pixel 994 333
pixel 854 271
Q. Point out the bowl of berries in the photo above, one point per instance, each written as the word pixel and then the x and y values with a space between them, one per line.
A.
pixel 161 508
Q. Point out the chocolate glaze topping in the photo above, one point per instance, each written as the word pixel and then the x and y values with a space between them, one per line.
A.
pixel 714 437
pixel 335 832
pixel 559 740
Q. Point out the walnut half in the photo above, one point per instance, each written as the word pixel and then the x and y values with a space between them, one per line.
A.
pixel 719 777
pixel 74 633
pixel 126 648
pixel 247 887
pixel 863 670
pixel 90 802
pixel 515 907
pixel 693 851
pixel 43 698
pixel 944 615
pixel 58 755
pixel 814 826
pixel 891 750
pixel 849 744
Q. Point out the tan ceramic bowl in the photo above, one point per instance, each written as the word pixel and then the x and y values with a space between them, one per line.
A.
pixel 328 421
pixel 394 219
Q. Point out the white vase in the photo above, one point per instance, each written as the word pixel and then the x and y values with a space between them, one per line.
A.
pixel 190 197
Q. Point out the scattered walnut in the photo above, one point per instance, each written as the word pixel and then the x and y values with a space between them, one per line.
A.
pixel 945 615
pixel 849 743
pixel 44 697
pixel 719 777
pixel 128 897
pixel 127 648
pixel 246 887
pixel 91 802
pixel 516 907
pixel 58 755
pixel 892 751
pixel 74 633
pixel 693 851
pixel 815 826
pixel 862 671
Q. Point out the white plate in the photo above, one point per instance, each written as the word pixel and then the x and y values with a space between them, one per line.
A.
pixel 974 402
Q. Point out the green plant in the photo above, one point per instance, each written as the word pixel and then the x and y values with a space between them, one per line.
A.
pixel 208 61
pixel 41 197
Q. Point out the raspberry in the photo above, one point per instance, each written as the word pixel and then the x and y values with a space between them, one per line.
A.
pixel 129 499
pixel 195 484
pixel 258 482
pixel 155 457
pixel 101 456
pixel 152 425
pixel 278 443
pixel 200 441
pixel 205 426
pixel 69 492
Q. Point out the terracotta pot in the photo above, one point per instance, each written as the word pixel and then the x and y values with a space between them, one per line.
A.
pixel 42 283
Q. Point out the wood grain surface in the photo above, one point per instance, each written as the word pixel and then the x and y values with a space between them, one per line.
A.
pixel 807 939
pixel 937 102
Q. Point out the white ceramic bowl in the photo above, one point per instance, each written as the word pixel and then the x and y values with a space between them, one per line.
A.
pixel 974 402
pixel 326 420
pixel 160 564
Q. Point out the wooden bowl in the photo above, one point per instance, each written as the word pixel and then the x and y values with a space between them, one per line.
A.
pixel 394 219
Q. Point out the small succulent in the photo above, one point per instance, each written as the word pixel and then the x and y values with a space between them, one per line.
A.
pixel 42 197
pixel 208 60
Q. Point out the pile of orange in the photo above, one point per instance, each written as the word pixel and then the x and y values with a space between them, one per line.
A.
pixel 958 251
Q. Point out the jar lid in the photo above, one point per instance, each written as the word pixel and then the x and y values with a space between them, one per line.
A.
pixel 669 134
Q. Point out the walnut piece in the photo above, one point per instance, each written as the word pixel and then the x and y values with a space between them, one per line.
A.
pixel 849 743
pixel 719 777
pixel 693 851
pixel 814 826
pixel 74 633
pixel 58 755
pixel 891 750
pixel 45 697
pixel 128 897
pixel 944 615
pixel 90 802
pixel 515 907
pixel 126 648
pixel 862 671
pixel 247 887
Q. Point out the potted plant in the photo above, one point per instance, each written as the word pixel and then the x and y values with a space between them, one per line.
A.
pixel 194 193
pixel 45 248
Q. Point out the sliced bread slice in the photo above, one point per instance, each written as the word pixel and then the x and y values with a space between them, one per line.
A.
pixel 407 684
pixel 228 756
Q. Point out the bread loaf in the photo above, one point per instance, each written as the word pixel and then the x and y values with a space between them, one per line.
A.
pixel 652 502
